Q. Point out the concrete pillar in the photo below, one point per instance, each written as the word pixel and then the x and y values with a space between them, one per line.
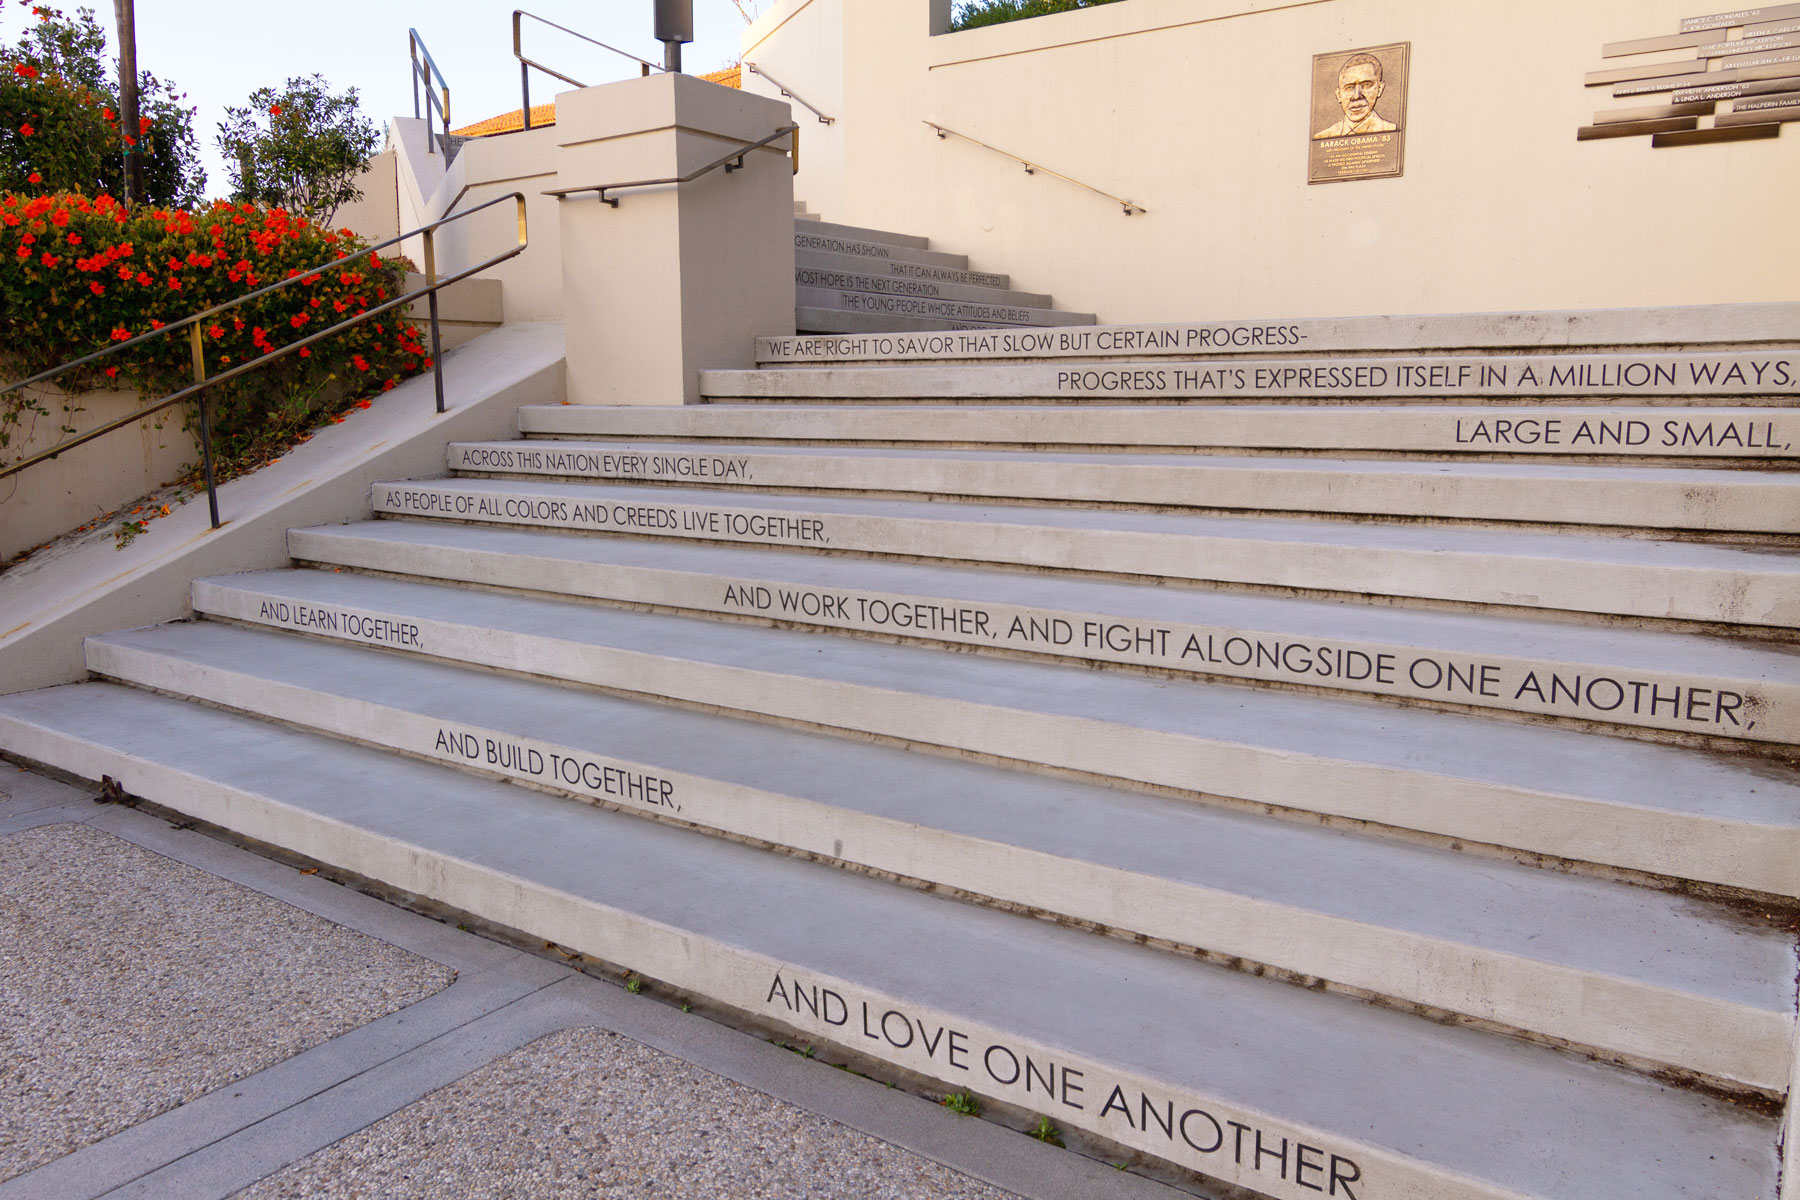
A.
pixel 675 279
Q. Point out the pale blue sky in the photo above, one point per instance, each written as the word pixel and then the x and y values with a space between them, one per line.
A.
pixel 219 51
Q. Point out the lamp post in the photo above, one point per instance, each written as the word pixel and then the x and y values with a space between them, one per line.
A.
pixel 128 99
pixel 674 25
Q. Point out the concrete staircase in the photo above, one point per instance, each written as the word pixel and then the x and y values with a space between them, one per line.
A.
pixel 1355 764
pixel 854 280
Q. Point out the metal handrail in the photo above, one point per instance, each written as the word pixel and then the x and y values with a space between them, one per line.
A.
pixel 525 64
pixel 726 161
pixel 415 46
pixel 202 381
pixel 789 93
pixel 1032 168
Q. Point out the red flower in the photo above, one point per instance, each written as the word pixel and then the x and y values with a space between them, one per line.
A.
pixel 363 403
pixel 130 141
pixel 74 239
pixel 305 352
pixel 155 324
pixel 60 217
pixel 34 177
pixel 24 251
pixel 121 334
pixel 25 71
pixel 108 114
pixel 26 129
pixel 143 279
pixel 113 373
pixel 143 125
pixel 274 110
pixel 362 364
pixel 215 331
pixel 99 289
pixel 174 284
pixel 388 386
pixel 49 259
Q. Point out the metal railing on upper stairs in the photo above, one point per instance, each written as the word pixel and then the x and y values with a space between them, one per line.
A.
pixel 789 93
pixel 423 70
pixel 731 160
pixel 202 381
pixel 526 64
pixel 1032 168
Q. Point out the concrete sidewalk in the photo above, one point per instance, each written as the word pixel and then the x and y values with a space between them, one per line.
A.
pixel 189 1019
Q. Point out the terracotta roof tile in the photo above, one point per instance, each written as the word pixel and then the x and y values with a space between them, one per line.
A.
pixel 545 114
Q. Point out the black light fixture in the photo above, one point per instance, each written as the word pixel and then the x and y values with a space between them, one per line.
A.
pixel 674 26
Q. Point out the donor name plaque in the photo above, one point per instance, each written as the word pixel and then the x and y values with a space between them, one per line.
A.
pixel 1358 115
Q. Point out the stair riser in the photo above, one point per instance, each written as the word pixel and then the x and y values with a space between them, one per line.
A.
pixel 1652 1026
pixel 1751 709
pixel 940 1045
pixel 815 237
pixel 821 260
pixel 884 237
pixel 1775 324
pixel 1708 595
pixel 838 320
pixel 1568 826
pixel 1746 502
pixel 876 304
pixel 1748 373
pixel 1708 435
pixel 926 289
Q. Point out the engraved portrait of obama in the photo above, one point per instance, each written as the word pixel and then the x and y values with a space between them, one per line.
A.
pixel 1359 89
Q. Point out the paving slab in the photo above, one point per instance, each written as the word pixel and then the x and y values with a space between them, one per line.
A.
pixel 127 997
pixel 1176 1051
pixel 1718 818
pixel 585 1110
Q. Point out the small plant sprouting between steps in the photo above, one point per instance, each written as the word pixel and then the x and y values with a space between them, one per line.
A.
pixel 964 1103
pixel 1046 1131
pixel 634 985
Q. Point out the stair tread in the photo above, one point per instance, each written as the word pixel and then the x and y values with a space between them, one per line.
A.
pixel 1657 938
pixel 1474 468
pixel 1475 634
pixel 1583 547
pixel 1366 1077
pixel 1631 774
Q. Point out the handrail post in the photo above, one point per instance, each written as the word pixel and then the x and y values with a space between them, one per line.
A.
pixel 437 355
pixel 525 93
pixel 199 349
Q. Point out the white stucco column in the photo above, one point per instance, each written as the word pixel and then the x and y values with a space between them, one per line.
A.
pixel 675 279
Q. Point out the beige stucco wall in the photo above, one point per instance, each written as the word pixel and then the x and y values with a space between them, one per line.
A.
pixel 53 497
pixel 1198 110
pixel 801 42
pixel 375 217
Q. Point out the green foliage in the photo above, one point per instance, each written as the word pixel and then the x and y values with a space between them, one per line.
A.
pixel 1046 1131
pixel 975 13
pixel 60 124
pixel 634 985
pixel 964 1103
pixel 78 274
pixel 300 148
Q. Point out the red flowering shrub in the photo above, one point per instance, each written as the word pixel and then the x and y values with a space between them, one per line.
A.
pixel 77 275
pixel 59 128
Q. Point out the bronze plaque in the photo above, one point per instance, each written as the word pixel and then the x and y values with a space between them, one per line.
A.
pixel 1358 121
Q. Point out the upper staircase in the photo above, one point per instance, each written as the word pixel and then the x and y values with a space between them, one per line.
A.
pixel 848 279
pixel 1339 758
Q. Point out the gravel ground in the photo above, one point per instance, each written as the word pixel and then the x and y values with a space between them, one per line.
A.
pixel 591 1114
pixel 131 983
